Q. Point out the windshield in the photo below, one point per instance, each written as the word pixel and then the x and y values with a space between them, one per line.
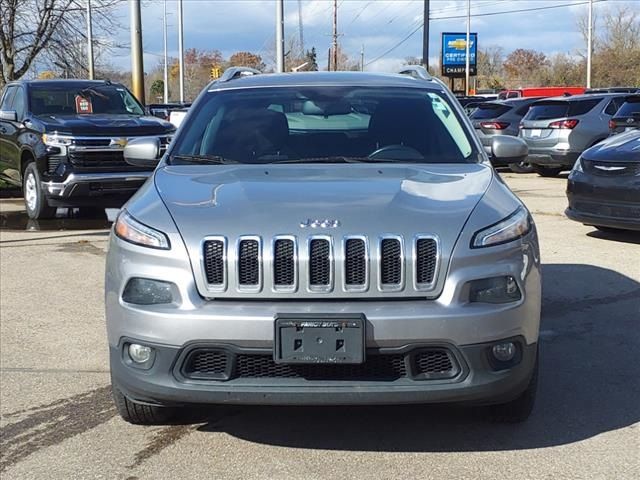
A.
pixel 82 99
pixel 323 124
pixel 489 110
pixel 630 109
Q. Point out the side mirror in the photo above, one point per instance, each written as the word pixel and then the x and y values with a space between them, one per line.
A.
pixel 509 149
pixel 142 152
pixel 9 115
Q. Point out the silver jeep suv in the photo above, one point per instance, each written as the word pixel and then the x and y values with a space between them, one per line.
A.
pixel 325 239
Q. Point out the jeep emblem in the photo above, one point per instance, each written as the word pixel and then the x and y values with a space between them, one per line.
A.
pixel 320 223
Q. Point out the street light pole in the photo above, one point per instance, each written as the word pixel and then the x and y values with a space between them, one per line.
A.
pixel 181 50
pixel 89 42
pixel 335 35
pixel 137 65
pixel 280 36
pixel 425 36
pixel 164 41
pixel 466 72
pixel 589 43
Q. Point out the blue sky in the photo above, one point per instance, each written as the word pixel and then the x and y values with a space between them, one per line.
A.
pixel 379 25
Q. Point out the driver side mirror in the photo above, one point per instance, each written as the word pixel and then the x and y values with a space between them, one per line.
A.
pixel 509 149
pixel 9 115
pixel 142 152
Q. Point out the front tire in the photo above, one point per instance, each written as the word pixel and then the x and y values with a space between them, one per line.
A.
pixel 522 167
pixel 138 413
pixel 35 201
pixel 547 171
pixel 519 409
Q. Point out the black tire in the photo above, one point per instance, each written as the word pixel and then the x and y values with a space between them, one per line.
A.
pixel 140 414
pixel 547 171
pixel 519 409
pixel 35 201
pixel 91 212
pixel 522 167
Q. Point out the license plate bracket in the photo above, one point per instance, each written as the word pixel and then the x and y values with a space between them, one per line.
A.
pixel 319 339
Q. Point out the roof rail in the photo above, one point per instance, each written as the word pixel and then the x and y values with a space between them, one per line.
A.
pixel 235 72
pixel 416 71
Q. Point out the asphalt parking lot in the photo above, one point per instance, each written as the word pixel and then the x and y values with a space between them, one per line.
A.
pixel 57 419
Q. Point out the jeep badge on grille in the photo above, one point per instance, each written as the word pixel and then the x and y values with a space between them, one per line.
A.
pixel 320 223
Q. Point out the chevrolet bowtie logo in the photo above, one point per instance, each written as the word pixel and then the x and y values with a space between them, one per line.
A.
pixel 459 44
pixel 119 142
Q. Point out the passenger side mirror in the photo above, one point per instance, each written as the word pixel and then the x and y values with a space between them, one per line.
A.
pixel 142 152
pixel 9 115
pixel 509 149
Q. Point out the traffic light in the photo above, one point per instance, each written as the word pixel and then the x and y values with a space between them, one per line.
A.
pixel 215 73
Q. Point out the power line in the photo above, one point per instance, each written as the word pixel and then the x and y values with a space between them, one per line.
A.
pixel 413 32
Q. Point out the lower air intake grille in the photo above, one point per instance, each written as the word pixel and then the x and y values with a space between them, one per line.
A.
pixel 212 363
pixel 283 263
pixel 426 255
pixel 319 262
pixel 390 262
pixel 377 367
pixel 248 262
pixel 355 262
pixel 435 364
pixel 214 261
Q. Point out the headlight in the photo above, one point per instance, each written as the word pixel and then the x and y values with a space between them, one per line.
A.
pixel 55 140
pixel 131 230
pixel 577 167
pixel 511 228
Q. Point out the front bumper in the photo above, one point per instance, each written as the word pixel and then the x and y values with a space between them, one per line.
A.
pixel 478 382
pixel 604 201
pixel 95 184
pixel 551 158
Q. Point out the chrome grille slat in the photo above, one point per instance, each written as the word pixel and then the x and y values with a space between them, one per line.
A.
pixel 317 263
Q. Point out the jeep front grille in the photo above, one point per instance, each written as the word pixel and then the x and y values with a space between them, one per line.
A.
pixel 320 264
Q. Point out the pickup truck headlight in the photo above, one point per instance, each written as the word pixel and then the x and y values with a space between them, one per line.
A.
pixel 511 228
pixel 132 231
pixel 55 140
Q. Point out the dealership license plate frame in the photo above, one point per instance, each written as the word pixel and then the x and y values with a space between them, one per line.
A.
pixel 327 339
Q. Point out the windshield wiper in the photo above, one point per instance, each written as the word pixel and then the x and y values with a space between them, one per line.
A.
pixel 334 159
pixel 212 159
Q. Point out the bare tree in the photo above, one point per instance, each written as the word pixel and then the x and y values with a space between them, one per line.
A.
pixel 55 28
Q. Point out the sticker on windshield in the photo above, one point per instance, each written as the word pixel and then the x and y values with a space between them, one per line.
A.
pixel 83 105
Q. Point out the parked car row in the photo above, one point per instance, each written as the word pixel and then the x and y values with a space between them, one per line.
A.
pixel 557 129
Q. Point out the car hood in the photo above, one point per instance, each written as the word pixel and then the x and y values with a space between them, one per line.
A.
pixel 365 199
pixel 624 147
pixel 105 124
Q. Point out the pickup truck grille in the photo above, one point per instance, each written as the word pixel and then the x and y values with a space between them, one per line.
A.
pixel 320 264
pixel 103 153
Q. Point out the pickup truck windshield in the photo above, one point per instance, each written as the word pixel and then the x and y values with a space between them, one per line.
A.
pixel 89 99
pixel 324 124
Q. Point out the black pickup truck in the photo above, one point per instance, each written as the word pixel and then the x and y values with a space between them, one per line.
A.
pixel 62 141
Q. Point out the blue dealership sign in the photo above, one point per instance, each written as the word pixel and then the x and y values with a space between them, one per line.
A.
pixel 454 52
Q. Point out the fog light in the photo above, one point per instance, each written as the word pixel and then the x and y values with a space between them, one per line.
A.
pixel 139 353
pixel 494 290
pixel 142 291
pixel 504 352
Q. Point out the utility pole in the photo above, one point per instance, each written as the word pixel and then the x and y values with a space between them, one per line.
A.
pixel 468 48
pixel 280 36
pixel 137 65
pixel 335 35
pixel 425 36
pixel 164 41
pixel 300 31
pixel 181 50
pixel 89 41
pixel 362 58
pixel 589 43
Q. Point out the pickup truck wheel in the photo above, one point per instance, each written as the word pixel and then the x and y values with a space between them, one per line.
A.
pixel 34 198
pixel 138 413
pixel 547 171
pixel 522 167
pixel 519 409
